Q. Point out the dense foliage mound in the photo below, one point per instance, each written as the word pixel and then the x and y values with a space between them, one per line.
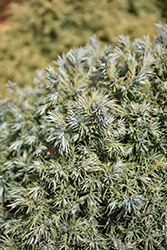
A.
pixel 84 158
pixel 38 30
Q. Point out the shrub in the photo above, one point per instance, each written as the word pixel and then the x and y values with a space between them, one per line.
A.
pixel 84 157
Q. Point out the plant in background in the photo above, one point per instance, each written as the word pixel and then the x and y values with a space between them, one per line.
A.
pixel 84 157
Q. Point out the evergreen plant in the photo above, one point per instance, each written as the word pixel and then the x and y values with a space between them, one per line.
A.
pixel 83 158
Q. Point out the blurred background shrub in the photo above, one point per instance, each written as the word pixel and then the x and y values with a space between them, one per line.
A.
pixel 34 32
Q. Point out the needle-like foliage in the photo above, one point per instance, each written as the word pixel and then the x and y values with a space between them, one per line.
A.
pixel 83 159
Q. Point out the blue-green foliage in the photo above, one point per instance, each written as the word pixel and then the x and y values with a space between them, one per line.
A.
pixel 84 158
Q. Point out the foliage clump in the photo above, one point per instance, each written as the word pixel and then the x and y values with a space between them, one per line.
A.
pixel 84 157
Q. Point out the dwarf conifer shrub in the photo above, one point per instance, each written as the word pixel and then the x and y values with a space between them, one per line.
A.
pixel 84 157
